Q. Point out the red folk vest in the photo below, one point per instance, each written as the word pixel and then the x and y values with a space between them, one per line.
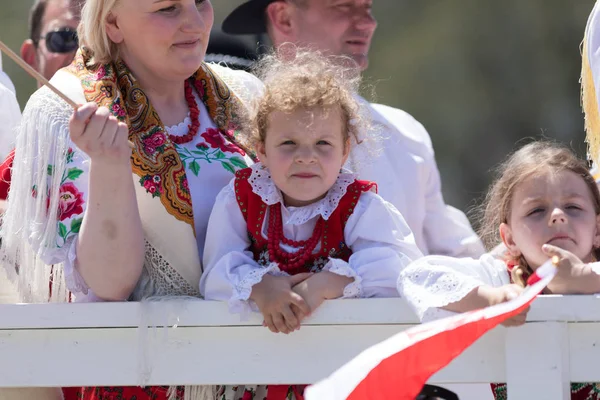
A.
pixel 332 242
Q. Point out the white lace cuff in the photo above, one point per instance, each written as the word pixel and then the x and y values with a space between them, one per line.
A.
pixel 341 267
pixel 435 290
pixel 239 302
pixel 73 279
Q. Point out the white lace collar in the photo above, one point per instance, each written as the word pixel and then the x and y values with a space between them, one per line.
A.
pixel 262 185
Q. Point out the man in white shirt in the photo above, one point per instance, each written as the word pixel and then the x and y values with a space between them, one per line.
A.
pixel 403 163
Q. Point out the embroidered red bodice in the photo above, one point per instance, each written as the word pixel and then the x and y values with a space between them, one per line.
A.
pixel 332 240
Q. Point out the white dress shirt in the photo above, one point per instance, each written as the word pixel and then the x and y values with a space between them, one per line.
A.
pixel 402 162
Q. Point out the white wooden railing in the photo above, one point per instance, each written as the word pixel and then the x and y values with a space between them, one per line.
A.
pixel 100 344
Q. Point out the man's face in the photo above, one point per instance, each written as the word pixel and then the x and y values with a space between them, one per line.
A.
pixel 60 15
pixel 337 27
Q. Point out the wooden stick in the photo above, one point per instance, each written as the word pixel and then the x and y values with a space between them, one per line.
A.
pixel 36 75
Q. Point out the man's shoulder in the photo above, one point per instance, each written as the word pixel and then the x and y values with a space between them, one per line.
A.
pixel 401 123
pixel 245 85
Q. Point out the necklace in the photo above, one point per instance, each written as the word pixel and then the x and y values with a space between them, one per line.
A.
pixel 290 261
pixel 194 113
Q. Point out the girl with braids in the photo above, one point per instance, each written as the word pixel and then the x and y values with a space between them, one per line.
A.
pixel 545 203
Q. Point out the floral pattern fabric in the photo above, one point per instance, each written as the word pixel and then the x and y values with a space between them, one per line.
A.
pixel 579 391
pixel 155 159
pixel 214 150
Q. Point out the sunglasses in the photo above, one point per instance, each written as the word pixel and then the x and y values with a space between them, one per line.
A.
pixel 63 40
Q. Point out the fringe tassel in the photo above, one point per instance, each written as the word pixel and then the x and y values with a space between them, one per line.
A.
pixel 589 103
pixel 27 226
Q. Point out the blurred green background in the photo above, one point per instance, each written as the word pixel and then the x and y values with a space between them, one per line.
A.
pixel 481 75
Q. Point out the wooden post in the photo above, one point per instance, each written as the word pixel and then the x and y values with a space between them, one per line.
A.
pixel 537 361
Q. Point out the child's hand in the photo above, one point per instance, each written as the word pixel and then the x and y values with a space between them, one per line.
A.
pixel 312 291
pixel 506 293
pixel 322 286
pixel 571 271
pixel 281 308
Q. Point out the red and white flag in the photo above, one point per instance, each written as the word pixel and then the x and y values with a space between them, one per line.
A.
pixel 398 367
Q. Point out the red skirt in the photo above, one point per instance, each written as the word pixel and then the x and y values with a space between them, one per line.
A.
pixel 120 393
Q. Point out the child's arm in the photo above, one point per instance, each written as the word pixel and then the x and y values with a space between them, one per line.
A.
pixel 486 296
pixel 381 243
pixel 231 274
pixel 440 282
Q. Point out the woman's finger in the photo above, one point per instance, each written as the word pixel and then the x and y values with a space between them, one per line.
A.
pixel 80 117
pixel 110 131
pixel 93 130
pixel 122 136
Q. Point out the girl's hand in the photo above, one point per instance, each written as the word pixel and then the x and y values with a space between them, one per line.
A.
pixel 572 272
pixel 322 286
pixel 282 309
pixel 502 294
pixel 100 135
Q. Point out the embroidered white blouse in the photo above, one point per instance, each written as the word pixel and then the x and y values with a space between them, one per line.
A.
pixel 209 162
pixel 380 240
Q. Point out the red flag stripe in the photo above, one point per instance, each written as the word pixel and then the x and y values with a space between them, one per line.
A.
pixel 399 366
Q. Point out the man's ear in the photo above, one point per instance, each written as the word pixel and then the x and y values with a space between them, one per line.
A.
pixel 507 238
pixel 279 21
pixel 29 54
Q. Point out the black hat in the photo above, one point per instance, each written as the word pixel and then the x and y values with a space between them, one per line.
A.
pixel 248 18
pixel 233 51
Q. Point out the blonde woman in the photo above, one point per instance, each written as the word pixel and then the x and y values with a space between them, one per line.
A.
pixel 103 221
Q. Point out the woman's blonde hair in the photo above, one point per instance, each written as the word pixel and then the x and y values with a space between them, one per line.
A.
pixel 307 80
pixel 533 158
pixel 92 31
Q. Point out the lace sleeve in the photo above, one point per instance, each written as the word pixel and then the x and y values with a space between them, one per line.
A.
pixel 230 270
pixel 436 281
pixel 382 245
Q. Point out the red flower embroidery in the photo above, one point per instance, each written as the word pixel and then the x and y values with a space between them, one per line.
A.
pixel 101 73
pixel 216 140
pixel 202 146
pixel 70 201
pixel 151 186
pixel 117 109
pixel 154 141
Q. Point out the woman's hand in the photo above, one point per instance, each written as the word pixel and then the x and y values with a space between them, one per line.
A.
pixel 282 309
pixel 100 135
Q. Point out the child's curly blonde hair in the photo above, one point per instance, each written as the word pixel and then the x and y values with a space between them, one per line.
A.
pixel 308 80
